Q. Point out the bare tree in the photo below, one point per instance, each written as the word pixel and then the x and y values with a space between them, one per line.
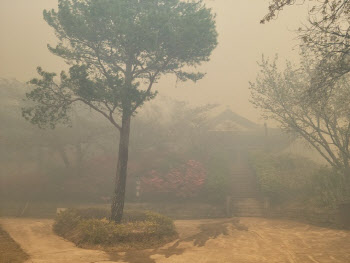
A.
pixel 325 124
pixel 326 36
pixel 326 10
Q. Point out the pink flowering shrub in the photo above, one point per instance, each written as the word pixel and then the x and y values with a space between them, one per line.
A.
pixel 183 181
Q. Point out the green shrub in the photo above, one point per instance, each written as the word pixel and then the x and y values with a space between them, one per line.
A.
pixel 159 225
pixel 283 177
pixel 91 226
pixel 66 222
pixel 330 187
pixel 134 215
pixel 217 184
pixel 98 231
pixel 291 178
pixel 93 213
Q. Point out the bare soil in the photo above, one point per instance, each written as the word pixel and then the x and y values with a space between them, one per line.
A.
pixel 10 251
pixel 251 240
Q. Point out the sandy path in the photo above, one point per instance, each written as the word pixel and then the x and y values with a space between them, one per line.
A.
pixel 201 241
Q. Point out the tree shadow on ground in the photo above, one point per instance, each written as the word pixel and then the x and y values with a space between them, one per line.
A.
pixel 206 231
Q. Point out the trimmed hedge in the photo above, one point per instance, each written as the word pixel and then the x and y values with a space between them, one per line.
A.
pixel 91 227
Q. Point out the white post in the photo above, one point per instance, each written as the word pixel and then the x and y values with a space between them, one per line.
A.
pixel 138 187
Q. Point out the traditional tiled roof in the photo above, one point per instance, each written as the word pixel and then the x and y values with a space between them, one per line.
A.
pixel 232 122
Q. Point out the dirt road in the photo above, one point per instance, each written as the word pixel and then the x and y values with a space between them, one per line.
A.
pixel 253 240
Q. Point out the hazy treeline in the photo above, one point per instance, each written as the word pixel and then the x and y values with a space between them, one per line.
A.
pixel 77 163
pixel 172 145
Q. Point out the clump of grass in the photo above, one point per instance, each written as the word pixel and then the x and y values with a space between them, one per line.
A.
pixel 10 251
pixel 92 227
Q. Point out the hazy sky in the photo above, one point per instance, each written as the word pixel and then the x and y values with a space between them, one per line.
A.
pixel 242 41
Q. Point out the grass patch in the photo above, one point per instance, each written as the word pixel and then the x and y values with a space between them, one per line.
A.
pixel 90 227
pixel 10 251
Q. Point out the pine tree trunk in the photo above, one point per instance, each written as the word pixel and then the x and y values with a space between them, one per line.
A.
pixel 120 184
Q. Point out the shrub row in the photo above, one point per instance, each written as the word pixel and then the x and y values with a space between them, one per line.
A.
pixel 91 226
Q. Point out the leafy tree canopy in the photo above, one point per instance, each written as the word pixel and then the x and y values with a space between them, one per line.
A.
pixel 117 50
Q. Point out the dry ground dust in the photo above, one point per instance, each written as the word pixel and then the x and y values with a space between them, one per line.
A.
pixel 10 251
pixel 36 238
pixel 253 240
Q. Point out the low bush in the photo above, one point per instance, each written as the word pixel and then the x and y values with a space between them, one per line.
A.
pixel 283 177
pixel 217 185
pixel 292 179
pixel 330 187
pixel 91 227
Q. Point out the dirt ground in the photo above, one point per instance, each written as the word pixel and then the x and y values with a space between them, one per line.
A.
pixel 10 251
pixel 251 240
